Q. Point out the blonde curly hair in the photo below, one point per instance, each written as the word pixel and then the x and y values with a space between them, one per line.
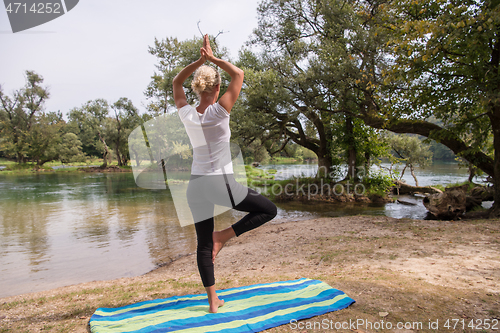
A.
pixel 206 78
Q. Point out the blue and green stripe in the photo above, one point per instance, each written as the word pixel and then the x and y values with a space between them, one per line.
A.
pixel 246 309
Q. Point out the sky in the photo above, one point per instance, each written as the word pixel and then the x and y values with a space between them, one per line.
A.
pixel 99 49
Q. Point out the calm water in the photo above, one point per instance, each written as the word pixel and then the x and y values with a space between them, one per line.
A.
pixel 62 229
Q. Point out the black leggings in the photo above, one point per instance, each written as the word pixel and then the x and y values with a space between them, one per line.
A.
pixel 204 192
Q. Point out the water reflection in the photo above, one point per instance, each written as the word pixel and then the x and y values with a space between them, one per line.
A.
pixel 443 173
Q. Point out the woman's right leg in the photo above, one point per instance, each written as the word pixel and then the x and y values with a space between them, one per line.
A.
pixel 260 210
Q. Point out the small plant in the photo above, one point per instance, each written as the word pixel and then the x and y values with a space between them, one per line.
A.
pixel 378 183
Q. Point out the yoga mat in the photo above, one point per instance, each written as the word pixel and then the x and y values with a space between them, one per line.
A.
pixel 247 309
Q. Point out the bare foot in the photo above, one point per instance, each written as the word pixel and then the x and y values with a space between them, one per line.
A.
pixel 220 238
pixel 214 307
pixel 218 243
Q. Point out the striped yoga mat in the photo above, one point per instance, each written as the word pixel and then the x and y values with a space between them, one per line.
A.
pixel 246 309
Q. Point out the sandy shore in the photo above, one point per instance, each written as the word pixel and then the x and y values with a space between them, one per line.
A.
pixel 398 271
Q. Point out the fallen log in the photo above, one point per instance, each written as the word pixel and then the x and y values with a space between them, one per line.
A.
pixel 403 188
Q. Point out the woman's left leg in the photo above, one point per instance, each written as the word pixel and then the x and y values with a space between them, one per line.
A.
pixel 204 231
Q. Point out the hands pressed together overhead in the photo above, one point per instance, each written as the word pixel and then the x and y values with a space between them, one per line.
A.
pixel 206 50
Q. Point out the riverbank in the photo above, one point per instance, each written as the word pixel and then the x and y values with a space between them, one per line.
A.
pixel 397 270
pixel 13 168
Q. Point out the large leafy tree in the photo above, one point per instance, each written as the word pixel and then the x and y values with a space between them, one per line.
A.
pixel 446 64
pixel 125 118
pixel 320 61
pixel 99 130
pixel 89 124
pixel 44 138
pixel 19 113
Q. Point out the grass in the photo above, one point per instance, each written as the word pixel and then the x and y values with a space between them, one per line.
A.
pixel 458 184
pixel 64 311
pixel 13 167
pixel 284 160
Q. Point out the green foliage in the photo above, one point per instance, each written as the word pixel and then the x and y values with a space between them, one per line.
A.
pixel 18 116
pixel 410 151
pixel 102 134
pixel 44 138
pixel 70 149
pixel 88 123
pixel 312 78
pixel 304 153
pixel 378 183
pixel 446 60
pixel 255 152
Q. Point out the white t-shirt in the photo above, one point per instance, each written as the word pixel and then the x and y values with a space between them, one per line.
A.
pixel 209 134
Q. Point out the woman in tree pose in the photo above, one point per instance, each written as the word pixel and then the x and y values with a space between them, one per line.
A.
pixel 212 180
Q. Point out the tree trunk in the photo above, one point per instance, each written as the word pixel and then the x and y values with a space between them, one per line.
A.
pixel 403 188
pixel 367 164
pixel 413 175
pixel 351 150
pixel 495 124
pixel 449 205
pixel 319 146
pixel 472 172
pixel 324 165
pixel 105 154
pixel 117 151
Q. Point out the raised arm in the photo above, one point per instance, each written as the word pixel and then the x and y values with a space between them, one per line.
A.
pixel 179 94
pixel 233 91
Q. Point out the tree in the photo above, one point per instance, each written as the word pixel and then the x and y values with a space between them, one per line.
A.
pixel 44 137
pixel 70 149
pixel 411 151
pixel 318 66
pixel 18 114
pixel 446 64
pixel 89 123
pixel 126 118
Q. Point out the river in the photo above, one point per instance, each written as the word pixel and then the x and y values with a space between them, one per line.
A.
pixel 60 229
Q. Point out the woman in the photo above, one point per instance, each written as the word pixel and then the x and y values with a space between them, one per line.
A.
pixel 212 181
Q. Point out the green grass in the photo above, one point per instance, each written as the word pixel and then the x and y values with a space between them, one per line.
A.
pixel 284 160
pixel 13 167
pixel 444 187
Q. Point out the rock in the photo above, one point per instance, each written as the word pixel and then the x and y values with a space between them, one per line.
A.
pixel 255 164
pixel 406 203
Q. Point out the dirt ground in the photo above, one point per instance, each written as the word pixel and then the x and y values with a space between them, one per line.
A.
pixel 405 275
